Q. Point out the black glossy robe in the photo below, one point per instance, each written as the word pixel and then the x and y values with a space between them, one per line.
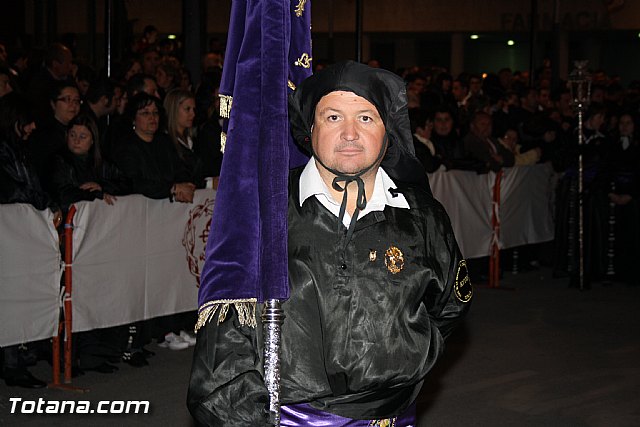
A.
pixel 358 340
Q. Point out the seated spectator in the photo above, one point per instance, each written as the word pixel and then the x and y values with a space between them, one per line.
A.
pixel 479 144
pixel 148 158
pixel 180 106
pixel 78 171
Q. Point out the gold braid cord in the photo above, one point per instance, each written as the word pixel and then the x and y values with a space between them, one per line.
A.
pixel 246 309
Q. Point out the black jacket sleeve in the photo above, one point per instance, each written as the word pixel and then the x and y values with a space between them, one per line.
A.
pixel 226 386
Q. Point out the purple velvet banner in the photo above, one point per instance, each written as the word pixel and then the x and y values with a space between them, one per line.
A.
pixel 246 254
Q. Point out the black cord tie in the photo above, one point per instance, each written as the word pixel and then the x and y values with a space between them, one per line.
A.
pixel 361 200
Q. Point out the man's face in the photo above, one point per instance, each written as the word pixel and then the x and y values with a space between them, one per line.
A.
pixel 347 133
pixel 482 126
pixel 459 91
pixel 442 123
pixel 626 125
pixel 475 84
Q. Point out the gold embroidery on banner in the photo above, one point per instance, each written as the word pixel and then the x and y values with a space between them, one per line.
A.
pixel 394 259
pixel 246 309
pixel 300 8
pixel 387 422
pixel 223 141
pixel 226 102
pixel 291 85
pixel 462 287
pixel 304 61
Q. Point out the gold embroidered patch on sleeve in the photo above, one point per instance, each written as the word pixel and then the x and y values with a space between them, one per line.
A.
pixel 462 287
pixel 304 61
pixel 394 259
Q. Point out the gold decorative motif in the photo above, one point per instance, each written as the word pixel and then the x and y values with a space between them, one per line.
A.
pixel 462 287
pixel 394 259
pixel 291 85
pixel 246 309
pixel 304 61
pixel 223 141
pixel 226 102
pixel 300 8
pixel 387 422
pixel 372 255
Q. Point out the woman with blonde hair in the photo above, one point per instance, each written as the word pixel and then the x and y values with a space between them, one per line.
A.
pixel 180 107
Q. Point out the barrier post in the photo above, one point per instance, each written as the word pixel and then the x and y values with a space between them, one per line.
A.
pixel 494 257
pixel 68 308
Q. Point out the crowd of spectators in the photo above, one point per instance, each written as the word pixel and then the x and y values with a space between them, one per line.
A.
pixel 69 133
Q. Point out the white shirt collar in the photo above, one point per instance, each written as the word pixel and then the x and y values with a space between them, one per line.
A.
pixel 311 184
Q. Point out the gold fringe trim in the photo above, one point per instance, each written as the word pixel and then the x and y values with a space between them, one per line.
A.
pixel 223 141
pixel 226 102
pixel 300 8
pixel 246 309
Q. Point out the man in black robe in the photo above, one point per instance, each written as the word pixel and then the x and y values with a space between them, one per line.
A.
pixel 376 279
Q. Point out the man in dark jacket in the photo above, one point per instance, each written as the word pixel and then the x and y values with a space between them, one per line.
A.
pixel 375 273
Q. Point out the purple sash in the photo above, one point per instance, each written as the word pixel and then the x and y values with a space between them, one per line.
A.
pixel 304 415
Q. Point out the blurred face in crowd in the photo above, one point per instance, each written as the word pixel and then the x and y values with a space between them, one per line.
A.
pixel 417 86
pixel 3 53
pixel 150 62
pixel 119 100
pixel 475 84
pixel 348 132
pixel 25 132
pixel 150 88
pixel 5 86
pixel 63 69
pixel 67 105
pixel 544 98
pixel 481 126
pixel 442 123
pixel 186 114
pixel 136 68
pixel 596 121
pixel 146 122
pixel 79 140
pixel 626 125
pixel 162 78
pixel 459 91
pixel 511 139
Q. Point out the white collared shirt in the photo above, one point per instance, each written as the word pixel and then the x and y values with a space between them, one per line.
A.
pixel 311 184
